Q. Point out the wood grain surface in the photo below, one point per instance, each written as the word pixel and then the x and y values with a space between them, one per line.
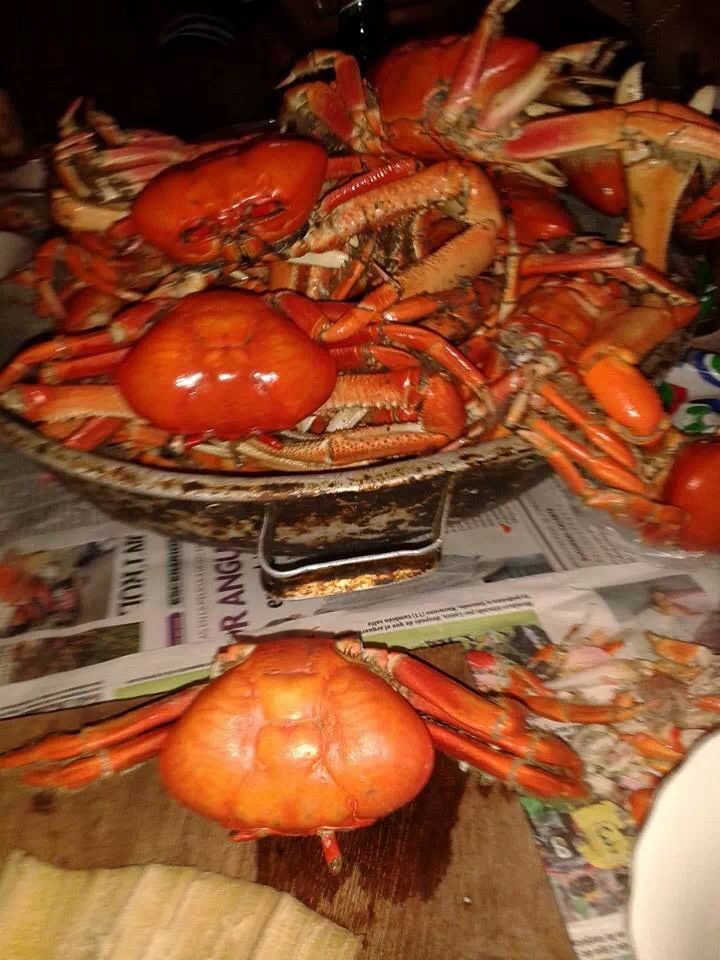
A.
pixel 453 876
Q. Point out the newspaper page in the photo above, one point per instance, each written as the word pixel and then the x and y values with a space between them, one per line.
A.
pixel 92 610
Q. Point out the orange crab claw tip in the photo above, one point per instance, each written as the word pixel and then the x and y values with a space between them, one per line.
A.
pixel 625 394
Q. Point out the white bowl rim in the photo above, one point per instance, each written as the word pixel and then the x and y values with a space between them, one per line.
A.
pixel 667 782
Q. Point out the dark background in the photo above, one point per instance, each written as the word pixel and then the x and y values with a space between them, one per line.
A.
pixel 137 61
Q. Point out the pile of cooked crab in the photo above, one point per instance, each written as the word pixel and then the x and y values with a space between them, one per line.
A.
pixel 395 275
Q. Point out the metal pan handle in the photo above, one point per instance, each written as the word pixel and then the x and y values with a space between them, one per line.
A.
pixel 328 569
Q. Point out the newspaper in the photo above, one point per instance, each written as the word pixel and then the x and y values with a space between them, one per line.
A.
pixel 93 610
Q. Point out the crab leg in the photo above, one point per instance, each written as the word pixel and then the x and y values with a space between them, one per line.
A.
pixel 430 344
pixel 74 214
pixel 651 747
pixel 106 127
pixel 710 702
pixel 541 432
pixel 340 448
pixel 81 773
pixel 107 733
pixel 467 709
pixel 436 185
pixel 624 505
pixel 560 462
pixel 475 297
pixel 651 222
pixel 350 165
pixel 634 407
pixel 660 143
pixel 101 409
pixel 622 262
pixel 88 309
pixel 532 746
pixel 48 403
pixel 506 767
pixel 142 436
pixel 436 406
pixel 517 96
pixel 342 106
pixel 332 854
pixel 565 712
pixel 647 177
pixel 126 328
pixel 534 78
pixel 138 154
pixel 41 272
pixel 324 102
pixel 645 121
pixel 601 436
pixel 575 261
pixel 314 320
pixel 631 509
pixel 370 180
pixel 348 78
pixel 535 746
pixel 607 363
pixel 497 673
pixel 318 282
pixel 372 356
pixel 91 366
pixel 472 61
pixel 93 433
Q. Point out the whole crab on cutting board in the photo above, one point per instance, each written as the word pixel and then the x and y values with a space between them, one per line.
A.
pixel 439 877
pixel 308 735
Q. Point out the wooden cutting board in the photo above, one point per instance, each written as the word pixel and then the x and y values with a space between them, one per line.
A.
pixel 453 876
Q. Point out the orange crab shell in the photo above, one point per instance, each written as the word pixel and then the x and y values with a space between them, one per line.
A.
pixel 296 739
pixel 267 187
pixel 410 78
pixel 228 363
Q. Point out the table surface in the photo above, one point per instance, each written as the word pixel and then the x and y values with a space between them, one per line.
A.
pixel 454 875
